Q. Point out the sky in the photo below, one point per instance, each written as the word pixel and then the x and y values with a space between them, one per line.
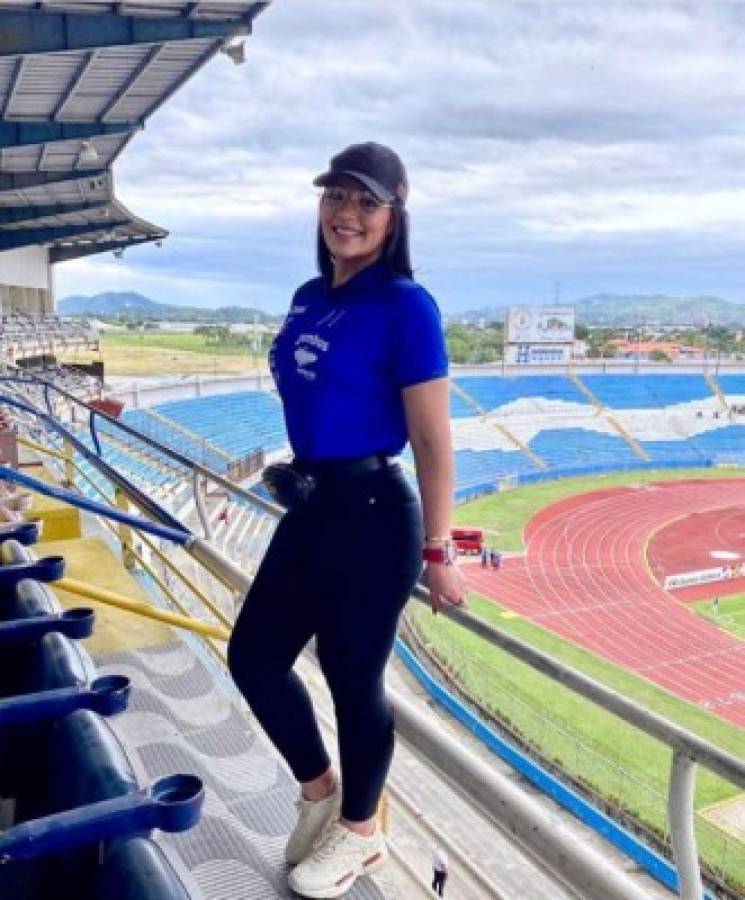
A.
pixel 555 150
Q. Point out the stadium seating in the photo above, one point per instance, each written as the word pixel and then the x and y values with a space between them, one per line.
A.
pixel 647 391
pixel 732 385
pixel 56 770
pixel 492 392
pixel 238 423
pixel 531 427
pixel 175 439
pixel 570 448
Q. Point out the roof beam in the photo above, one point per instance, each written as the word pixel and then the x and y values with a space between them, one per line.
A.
pixel 19 134
pixel 63 254
pixel 19 181
pixel 73 85
pixel 240 26
pixel 11 215
pixel 23 237
pixel 40 31
pixel 13 87
pixel 150 57
pixel 41 160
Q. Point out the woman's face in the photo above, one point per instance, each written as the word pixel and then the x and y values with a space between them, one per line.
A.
pixel 354 236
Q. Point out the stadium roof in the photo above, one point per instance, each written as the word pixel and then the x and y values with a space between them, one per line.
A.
pixel 77 81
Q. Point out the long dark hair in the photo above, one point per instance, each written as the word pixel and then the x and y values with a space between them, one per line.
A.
pixel 395 256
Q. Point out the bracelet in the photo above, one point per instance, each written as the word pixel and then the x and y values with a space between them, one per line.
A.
pixel 445 555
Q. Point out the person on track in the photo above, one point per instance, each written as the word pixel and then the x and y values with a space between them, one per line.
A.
pixel 361 367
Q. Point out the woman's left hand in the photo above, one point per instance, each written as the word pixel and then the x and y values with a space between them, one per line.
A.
pixel 446 586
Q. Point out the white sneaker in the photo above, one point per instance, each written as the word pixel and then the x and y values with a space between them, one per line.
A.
pixel 313 817
pixel 336 862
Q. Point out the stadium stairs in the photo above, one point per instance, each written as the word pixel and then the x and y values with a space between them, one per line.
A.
pixel 615 424
pixel 717 391
pixel 498 426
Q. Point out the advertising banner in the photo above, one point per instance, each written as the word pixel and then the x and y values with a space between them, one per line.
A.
pixel 702 576
pixel 540 325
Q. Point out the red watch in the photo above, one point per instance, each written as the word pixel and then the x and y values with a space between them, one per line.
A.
pixel 444 555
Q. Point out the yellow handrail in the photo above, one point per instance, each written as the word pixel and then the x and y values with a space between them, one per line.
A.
pixel 212 607
pixel 91 592
pixel 40 448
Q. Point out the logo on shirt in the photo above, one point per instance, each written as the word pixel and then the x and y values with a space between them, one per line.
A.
pixel 305 357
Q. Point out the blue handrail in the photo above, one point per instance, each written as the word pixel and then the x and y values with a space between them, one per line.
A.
pixel 144 501
pixel 178 535
pixel 74 623
pixel 46 569
pixel 106 696
pixel 172 804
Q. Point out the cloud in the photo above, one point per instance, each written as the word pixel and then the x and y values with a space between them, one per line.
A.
pixel 599 142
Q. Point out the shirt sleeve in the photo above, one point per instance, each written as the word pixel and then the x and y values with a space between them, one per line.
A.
pixel 419 353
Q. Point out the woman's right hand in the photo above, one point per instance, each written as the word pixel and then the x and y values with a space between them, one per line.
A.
pixel 446 586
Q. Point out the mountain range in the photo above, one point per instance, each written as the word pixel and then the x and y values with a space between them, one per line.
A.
pixel 617 310
pixel 131 305
pixel 631 310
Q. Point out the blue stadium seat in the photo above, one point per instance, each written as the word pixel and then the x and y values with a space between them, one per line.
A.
pixel 137 869
pixel 237 423
pixel 492 392
pixel 732 385
pixel 647 391
pixel 81 763
pixel 570 448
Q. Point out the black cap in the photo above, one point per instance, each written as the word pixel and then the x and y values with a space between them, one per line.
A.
pixel 377 167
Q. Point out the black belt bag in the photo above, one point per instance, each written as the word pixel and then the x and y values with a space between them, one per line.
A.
pixel 291 484
pixel 287 485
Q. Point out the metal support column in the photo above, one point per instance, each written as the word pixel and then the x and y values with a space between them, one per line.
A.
pixel 681 814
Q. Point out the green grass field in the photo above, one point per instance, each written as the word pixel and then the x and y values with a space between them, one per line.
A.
pixel 730 616
pixel 616 759
pixel 596 747
pixel 170 353
pixel 194 343
pixel 507 514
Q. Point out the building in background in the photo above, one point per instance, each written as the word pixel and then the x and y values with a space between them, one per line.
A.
pixel 539 335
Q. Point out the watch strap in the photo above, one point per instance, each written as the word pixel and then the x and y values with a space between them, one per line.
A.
pixel 443 555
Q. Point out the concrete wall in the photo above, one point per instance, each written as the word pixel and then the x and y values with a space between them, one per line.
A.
pixel 26 283
pixel 141 394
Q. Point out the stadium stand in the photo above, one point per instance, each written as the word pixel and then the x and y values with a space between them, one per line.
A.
pixel 61 767
pixel 23 335
pixel 491 393
pixel 677 421
pixel 639 391
pixel 255 420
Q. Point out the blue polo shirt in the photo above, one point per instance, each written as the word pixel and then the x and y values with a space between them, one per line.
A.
pixel 343 356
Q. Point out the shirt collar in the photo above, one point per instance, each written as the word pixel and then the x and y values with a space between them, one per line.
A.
pixel 366 278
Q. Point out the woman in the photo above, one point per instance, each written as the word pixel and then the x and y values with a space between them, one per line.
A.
pixel 361 368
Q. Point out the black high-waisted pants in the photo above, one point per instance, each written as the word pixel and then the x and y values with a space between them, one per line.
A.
pixel 339 567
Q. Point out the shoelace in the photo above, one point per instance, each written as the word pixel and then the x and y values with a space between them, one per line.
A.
pixel 328 847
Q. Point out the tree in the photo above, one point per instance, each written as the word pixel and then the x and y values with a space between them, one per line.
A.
pixel 659 356
pixel 458 349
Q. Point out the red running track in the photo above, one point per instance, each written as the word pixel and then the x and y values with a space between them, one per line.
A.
pixel 690 544
pixel 585 577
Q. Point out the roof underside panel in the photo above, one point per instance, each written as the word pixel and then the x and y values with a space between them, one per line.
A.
pixel 58 156
pixel 91 189
pixel 116 84
pixel 206 9
pixel 77 80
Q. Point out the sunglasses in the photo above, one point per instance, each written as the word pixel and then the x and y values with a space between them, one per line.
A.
pixel 337 197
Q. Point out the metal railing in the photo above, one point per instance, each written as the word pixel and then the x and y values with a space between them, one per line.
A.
pixel 579 866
